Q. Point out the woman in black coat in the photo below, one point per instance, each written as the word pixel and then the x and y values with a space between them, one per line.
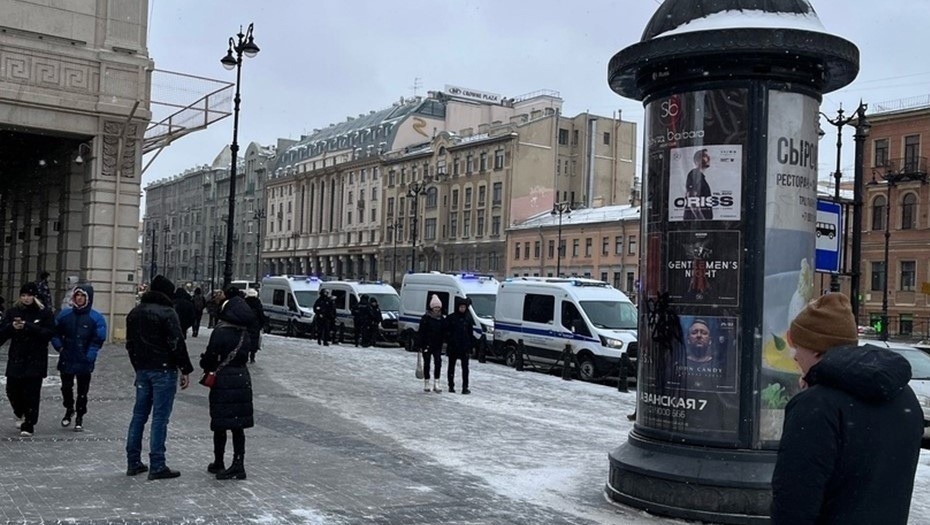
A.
pixel 29 326
pixel 231 396
pixel 430 337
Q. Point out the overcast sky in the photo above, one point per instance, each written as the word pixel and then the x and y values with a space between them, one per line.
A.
pixel 323 61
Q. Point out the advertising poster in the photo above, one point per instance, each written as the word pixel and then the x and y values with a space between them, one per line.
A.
pixel 699 267
pixel 703 268
pixel 705 183
pixel 790 220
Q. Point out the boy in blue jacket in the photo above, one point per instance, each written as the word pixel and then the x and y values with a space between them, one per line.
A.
pixel 79 334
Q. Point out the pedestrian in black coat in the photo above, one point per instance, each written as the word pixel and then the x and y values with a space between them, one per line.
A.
pixel 255 331
pixel 200 302
pixel 851 440
pixel 324 315
pixel 460 342
pixel 374 320
pixel 29 327
pixel 184 307
pixel 361 318
pixel 231 395
pixel 430 337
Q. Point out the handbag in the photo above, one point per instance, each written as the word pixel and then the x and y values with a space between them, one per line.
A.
pixel 208 379
pixel 419 371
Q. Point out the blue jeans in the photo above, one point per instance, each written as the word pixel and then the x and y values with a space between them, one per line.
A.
pixel 155 390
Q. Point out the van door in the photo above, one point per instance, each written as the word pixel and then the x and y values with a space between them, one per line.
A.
pixel 540 336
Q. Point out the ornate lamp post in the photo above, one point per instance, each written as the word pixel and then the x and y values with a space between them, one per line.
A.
pixel 560 208
pixel 862 132
pixel 245 45
pixel 414 190
pixel 259 215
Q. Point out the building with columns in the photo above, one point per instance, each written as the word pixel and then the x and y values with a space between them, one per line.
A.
pixel 74 106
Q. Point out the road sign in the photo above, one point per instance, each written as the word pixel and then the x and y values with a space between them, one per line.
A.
pixel 829 232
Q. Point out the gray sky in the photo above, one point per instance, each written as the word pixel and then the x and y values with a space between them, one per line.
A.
pixel 323 61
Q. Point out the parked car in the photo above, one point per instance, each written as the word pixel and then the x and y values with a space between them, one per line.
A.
pixel 920 374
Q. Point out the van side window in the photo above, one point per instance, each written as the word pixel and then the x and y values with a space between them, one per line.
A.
pixel 572 320
pixel 443 296
pixel 278 298
pixel 538 308
pixel 339 299
pixel 291 303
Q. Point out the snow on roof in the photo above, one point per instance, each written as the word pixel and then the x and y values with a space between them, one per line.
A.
pixel 622 212
pixel 755 19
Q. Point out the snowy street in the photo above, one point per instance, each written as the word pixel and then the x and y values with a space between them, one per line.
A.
pixel 343 435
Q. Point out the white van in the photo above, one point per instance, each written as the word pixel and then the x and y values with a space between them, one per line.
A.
pixel 346 294
pixel 596 319
pixel 288 303
pixel 418 288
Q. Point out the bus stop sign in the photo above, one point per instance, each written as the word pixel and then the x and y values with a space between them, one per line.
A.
pixel 829 235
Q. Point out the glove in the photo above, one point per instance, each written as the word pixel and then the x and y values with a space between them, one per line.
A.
pixel 92 355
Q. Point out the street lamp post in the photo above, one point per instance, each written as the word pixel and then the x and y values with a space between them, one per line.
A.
pixel 245 45
pixel 394 226
pixel 290 268
pixel 560 208
pixel 213 260
pixel 259 215
pixel 414 190
pixel 167 230
pixel 862 132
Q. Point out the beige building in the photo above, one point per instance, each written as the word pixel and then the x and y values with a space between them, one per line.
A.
pixel 600 243
pixel 74 105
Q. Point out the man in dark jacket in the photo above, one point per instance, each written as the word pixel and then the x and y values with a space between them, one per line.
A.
pixel 157 351
pixel 255 329
pixel 324 314
pixel 79 334
pixel 374 321
pixel 184 307
pixel 851 438
pixel 200 302
pixel 28 327
pixel 460 342
pixel 361 318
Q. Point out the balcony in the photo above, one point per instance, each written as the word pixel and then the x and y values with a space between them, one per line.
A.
pixel 905 168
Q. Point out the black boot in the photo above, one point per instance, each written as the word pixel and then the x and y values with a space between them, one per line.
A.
pixel 236 470
pixel 217 466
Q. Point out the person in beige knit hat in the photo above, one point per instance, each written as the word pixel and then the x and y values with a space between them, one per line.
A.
pixel 851 438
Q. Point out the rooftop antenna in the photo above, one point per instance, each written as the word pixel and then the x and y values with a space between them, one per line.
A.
pixel 417 84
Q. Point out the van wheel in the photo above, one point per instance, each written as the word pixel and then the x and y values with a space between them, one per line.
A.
pixel 291 331
pixel 587 370
pixel 510 355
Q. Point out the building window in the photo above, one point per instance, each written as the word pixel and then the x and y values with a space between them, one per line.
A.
pixel 617 277
pixel 551 249
pixel 908 211
pixel 526 250
pixel 881 153
pixel 469 164
pixel 576 244
pixel 878 276
pixel 392 175
pixel 537 248
pixel 632 245
pixel 482 195
pixel 348 221
pixel 630 282
pixel 467 198
pixel 390 207
pixel 483 161
pixel 441 166
pixel 495 225
pixel 516 251
pixel 496 191
pixel 374 214
pixel 911 152
pixel 480 229
pixel 605 247
pixel 455 199
pixel 906 324
pixel 429 229
pixel 606 142
pixel 563 137
pixel 588 245
pixel 574 137
pixel 604 276
pixel 454 226
pixel 499 159
pixel 432 198
pixel 908 275
pixel 455 167
pixel 878 212
pixel 466 226
pixel 618 245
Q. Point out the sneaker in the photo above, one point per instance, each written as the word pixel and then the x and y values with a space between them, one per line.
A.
pixel 138 469
pixel 66 421
pixel 165 473
pixel 26 430
pixel 466 391
pixel 79 424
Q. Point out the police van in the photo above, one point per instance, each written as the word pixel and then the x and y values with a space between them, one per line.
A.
pixel 346 294
pixel 418 288
pixel 288 303
pixel 598 321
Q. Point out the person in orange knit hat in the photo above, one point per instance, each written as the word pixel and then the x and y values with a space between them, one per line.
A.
pixel 851 439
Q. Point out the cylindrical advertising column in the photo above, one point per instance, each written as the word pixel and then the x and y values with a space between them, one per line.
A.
pixel 728 221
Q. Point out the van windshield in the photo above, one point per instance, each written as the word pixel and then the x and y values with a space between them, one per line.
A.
pixel 306 298
pixel 483 304
pixel 386 301
pixel 610 315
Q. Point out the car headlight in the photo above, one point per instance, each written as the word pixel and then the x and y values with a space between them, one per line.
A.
pixel 488 329
pixel 612 343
